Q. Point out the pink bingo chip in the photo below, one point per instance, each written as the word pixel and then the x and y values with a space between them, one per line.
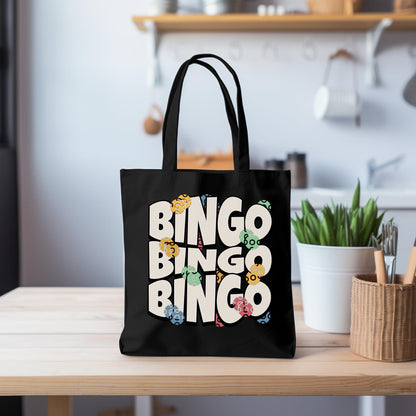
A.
pixel 218 322
pixel 238 302
pixel 246 309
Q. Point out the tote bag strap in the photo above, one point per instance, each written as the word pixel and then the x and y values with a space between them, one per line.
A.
pixel 170 127
pixel 170 130
pixel 229 107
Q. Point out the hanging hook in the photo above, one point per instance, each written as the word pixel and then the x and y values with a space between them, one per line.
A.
pixel 373 37
pixel 309 50
pixel 342 53
pixel 154 76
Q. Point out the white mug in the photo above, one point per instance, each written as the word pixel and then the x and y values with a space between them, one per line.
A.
pixel 336 103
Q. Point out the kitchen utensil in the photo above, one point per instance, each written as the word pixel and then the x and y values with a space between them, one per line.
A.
pixel 409 91
pixel 379 261
pixel 338 103
pixel 151 124
pixel 389 234
pixel 409 276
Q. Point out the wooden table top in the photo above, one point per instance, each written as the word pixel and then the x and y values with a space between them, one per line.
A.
pixel 64 341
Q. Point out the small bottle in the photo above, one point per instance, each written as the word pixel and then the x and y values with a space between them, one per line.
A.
pixel 296 163
pixel 274 164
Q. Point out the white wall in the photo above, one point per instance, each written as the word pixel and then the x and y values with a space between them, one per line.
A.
pixel 83 97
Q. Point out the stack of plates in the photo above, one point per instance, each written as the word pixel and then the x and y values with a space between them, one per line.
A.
pixel 155 7
pixel 213 7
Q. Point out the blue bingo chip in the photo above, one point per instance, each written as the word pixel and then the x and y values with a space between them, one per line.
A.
pixel 204 199
pixel 177 317
pixel 174 314
pixel 264 319
pixel 169 309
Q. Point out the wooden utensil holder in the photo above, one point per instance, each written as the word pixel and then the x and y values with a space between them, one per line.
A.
pixel 383 319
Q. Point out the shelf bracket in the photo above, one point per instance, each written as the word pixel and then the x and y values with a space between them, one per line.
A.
pixel 153 76
pixel 372 76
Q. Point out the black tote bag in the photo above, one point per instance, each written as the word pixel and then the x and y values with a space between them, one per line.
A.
pixel 207 253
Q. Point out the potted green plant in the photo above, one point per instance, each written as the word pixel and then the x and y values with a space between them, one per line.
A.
pixel 332 248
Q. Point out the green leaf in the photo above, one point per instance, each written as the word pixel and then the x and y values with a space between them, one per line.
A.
pixel 347 230
pixel 296 230
pixel 307 208
pixel 313 223
pixel 338 225
pixel 370 217
pixel 326 232
pixel 313 239
pixel 354 229
pixel 322 239
pixel 356 198
pixel 366 233
pixel 299 229
pixel 377 223
pixel 328 224
pixel 339 236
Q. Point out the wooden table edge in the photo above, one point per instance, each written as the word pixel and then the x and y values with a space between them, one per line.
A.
pixel 312 385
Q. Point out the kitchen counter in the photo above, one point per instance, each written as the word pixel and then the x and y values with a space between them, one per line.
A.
pixel 62 342
pixel 387 198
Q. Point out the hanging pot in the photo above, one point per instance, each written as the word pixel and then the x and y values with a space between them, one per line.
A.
pixel 153 123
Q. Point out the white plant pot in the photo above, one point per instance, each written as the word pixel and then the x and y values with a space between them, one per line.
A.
pixel 326 280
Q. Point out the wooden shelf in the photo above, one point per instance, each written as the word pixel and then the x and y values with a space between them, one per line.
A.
pixel 254 22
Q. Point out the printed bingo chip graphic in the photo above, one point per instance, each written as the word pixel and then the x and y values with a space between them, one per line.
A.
pixel 252 278
pixel 266 203
pixel 219 276
pixel 218 322
pixel 264 319
pixel 254 275
pixel 208 260
pixel 181 203
pixel 174 314
pixel 191 275
pixel 169 247
pixel 243 307
pixel 248 238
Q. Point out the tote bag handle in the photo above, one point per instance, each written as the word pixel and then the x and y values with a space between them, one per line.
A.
pixel 170 126
pixel 172 114
pixel 229 107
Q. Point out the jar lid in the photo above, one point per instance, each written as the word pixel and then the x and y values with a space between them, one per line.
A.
pixel 275 164
pixel 296 157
